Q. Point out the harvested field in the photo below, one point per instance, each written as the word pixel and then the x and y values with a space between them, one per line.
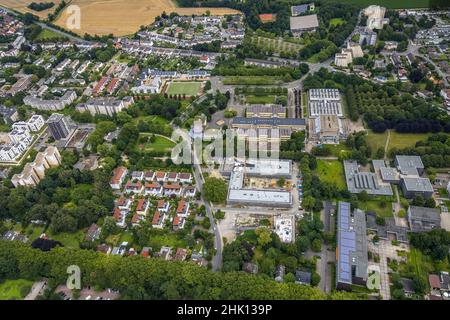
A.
pixel 124 17
pixel 21 6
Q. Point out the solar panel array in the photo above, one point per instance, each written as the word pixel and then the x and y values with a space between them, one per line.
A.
pixel 346 243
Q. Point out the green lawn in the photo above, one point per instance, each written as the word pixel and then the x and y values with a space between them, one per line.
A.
pixel 397 140
pixel 251 80
pixel 15 289
pixel 69 240
pixel 382 207
pixel 46 34
pixel 403 140
pixel 336 22
pixel 160 144
pixel 392 4
pixel 251 99
pixel 331 171
pixel 187 88
pixel 159 240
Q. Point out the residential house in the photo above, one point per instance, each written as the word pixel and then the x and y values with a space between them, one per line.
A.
pixel 119 176
pixel 149 175
pixel 134 187
pixel 93 233
pixel 163 206
pixel 183 208
pixel 153 189
pixel 161 176
pixel 303 277
pixel 185 177
pixel 180 255
pixel 158 219
pixel 142 207
pixel 172 189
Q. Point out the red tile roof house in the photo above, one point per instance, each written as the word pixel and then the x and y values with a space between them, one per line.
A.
pixel 145 252
pixel 149 175
pixel 435 284
pixel 134 187
pixel 172 189
pixel 178 223
pixel 161 176
pixel 172 177
pixel 163 206
pixel 189 191
pixel 93 233
pixel 136 219
pixel 104 248
pixel 180 255
pixel 124 203
pixel 137 175
pixel 158 220
pixel 142 207
pixel 183 208
pixel 153 189
pixel 185 177
pixel 119 176
pixel 119 216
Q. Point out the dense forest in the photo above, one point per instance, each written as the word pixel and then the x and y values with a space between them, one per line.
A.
pixel 140 278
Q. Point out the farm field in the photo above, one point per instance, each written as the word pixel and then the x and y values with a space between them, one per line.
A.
pixel 124 17
pixel 21 6
pixel 184 88
pixel 15 289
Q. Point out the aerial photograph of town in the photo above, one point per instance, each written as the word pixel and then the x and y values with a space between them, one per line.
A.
pixel 239 150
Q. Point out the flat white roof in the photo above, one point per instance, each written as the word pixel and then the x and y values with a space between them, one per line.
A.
pixel 260 196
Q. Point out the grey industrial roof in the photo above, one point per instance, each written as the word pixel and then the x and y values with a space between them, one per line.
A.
pixel 390 227
pixel 359 181
pixel 417 184
pixel 304 22
pixel 426 214
pixel 352 244
pixel 303 277
pixel 269 121
pixel 409 164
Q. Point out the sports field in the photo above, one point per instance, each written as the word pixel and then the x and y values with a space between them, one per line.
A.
pixel 184 88
pixel 21 6
pixel 124 17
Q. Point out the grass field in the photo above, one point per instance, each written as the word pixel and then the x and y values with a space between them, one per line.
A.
pixel 48 35
pixel 251 99
pixel 69 240
pixel 160 144
pixel 15 289
pixel 336 22
pixel 331 171
pixel 124 17
pixel 397 140
pixel 188 88
pixel 252 80
pixel 21 6
pixel 383 208
pixel 276 45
